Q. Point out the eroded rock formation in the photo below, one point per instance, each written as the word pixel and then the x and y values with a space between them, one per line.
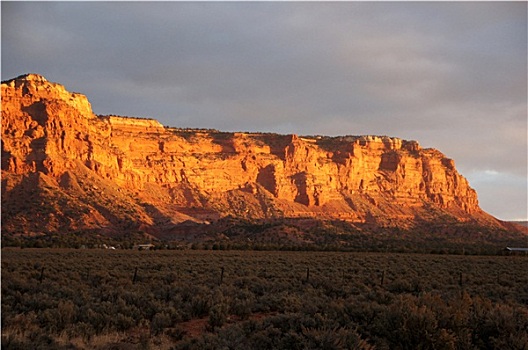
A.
pixel 104 171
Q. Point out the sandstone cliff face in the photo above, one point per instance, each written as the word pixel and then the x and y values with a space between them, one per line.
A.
pixel 167 175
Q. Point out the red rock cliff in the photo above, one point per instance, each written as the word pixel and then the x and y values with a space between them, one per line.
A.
pixel 173 174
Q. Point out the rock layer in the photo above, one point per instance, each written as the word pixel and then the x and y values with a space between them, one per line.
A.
pixel 164 176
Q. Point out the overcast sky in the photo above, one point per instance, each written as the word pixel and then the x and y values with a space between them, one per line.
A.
pixel 451 75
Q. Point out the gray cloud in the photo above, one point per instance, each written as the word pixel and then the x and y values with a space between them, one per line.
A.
pixel 450 75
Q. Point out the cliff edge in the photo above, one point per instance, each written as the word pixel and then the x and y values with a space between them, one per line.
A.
pixel 65 169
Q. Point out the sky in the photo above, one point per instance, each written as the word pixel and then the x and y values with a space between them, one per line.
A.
pixel 450 75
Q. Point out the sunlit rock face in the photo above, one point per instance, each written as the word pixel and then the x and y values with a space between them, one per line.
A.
pixel 164 176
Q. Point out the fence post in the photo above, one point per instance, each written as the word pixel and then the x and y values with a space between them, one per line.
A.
pixel 135 276
pixel 382 277
pixel 41 275
pixel 307 274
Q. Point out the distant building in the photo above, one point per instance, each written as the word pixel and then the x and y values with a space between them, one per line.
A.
pixel 515 250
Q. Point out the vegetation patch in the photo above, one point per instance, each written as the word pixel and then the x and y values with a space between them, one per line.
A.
pixel 195 299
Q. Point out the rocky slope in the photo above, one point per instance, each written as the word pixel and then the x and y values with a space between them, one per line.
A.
pixel 65 169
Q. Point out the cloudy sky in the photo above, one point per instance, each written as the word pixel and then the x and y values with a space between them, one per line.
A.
pixel 451 75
